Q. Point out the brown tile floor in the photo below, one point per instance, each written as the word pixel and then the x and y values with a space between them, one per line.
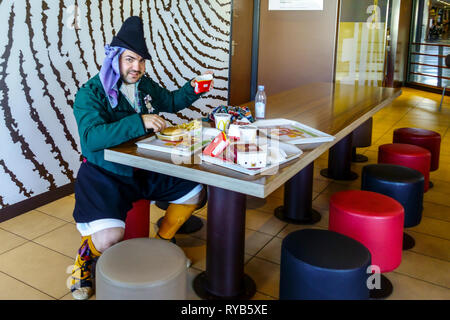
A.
pixel 37 248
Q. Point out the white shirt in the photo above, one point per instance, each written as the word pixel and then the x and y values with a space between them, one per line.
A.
pixel 129 91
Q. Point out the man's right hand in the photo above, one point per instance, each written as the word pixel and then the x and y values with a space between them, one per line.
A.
pixel 153 121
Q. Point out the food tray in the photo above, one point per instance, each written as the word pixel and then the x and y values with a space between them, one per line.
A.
pixel 162 144
pixel 292 152
pixel 173 147
pixel 292 131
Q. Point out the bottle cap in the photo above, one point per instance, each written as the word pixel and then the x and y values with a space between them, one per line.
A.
pixel 260 87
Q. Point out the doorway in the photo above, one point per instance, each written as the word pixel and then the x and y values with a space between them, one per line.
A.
pixel 241 52
pixel 429 45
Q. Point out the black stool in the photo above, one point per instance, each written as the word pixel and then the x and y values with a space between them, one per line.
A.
pixel 402 184
pixel 323 265
pixel 362 137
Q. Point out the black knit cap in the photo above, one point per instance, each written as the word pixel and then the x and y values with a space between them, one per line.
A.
pixel 131 36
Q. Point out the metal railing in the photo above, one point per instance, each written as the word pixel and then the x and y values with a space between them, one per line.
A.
pixel 415 51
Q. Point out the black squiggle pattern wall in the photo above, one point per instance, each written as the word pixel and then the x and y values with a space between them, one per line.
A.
pixel 49 48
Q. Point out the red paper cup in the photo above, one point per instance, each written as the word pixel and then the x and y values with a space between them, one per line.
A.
pixel 203 83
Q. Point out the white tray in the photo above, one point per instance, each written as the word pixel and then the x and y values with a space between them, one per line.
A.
pixel 153 143
pixel 304 135
pixel 291 151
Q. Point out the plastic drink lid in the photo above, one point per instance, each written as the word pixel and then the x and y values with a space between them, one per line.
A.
pixel 260 87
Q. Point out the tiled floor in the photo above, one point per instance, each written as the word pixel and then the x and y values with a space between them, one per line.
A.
pixel 37 248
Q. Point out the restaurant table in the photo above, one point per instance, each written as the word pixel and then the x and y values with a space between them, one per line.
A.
pixel 335 109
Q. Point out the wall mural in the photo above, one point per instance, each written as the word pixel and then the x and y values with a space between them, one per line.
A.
pixel 50 48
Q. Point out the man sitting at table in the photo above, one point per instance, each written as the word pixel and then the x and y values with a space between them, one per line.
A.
pixel 118 104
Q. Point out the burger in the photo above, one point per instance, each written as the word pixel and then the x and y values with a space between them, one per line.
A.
pixel 173 131
pixel 172 134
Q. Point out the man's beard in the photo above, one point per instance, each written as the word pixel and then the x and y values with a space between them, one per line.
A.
pixel 139 76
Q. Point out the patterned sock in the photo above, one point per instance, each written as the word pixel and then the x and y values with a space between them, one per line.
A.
pixel 83 270
pixel 94 252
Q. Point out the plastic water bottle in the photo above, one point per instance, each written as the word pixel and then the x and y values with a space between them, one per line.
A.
pixel 260 103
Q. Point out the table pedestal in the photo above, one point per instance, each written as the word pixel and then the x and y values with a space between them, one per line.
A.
pixel 356 157
pixel 340 160
pixel 297 208
pixel 408 242
pixel 224 277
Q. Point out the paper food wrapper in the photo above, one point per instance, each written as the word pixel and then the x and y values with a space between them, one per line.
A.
pixel 216 147
pixel 249 156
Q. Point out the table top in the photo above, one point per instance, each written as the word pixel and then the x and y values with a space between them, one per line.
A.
pixel 336 109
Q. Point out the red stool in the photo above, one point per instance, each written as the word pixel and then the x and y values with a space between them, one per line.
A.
pixel 407 155
pixel 137 224
pixel 376 221
pixel 427 139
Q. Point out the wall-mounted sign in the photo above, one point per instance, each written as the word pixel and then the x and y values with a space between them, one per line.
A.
pixel 295 4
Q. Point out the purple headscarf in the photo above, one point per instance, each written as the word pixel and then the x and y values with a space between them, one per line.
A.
pixel 110 73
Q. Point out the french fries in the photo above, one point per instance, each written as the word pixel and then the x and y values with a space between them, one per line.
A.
pixel 192 125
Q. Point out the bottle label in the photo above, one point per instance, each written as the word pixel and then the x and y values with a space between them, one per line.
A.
pixel 260 110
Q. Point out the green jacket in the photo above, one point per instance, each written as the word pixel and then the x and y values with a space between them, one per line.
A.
pixel 101 127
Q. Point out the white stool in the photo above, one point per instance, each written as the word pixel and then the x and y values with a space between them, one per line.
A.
pixel 142 269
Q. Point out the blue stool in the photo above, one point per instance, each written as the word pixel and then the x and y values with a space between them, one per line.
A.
pixel 402 184
pixel 323 265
